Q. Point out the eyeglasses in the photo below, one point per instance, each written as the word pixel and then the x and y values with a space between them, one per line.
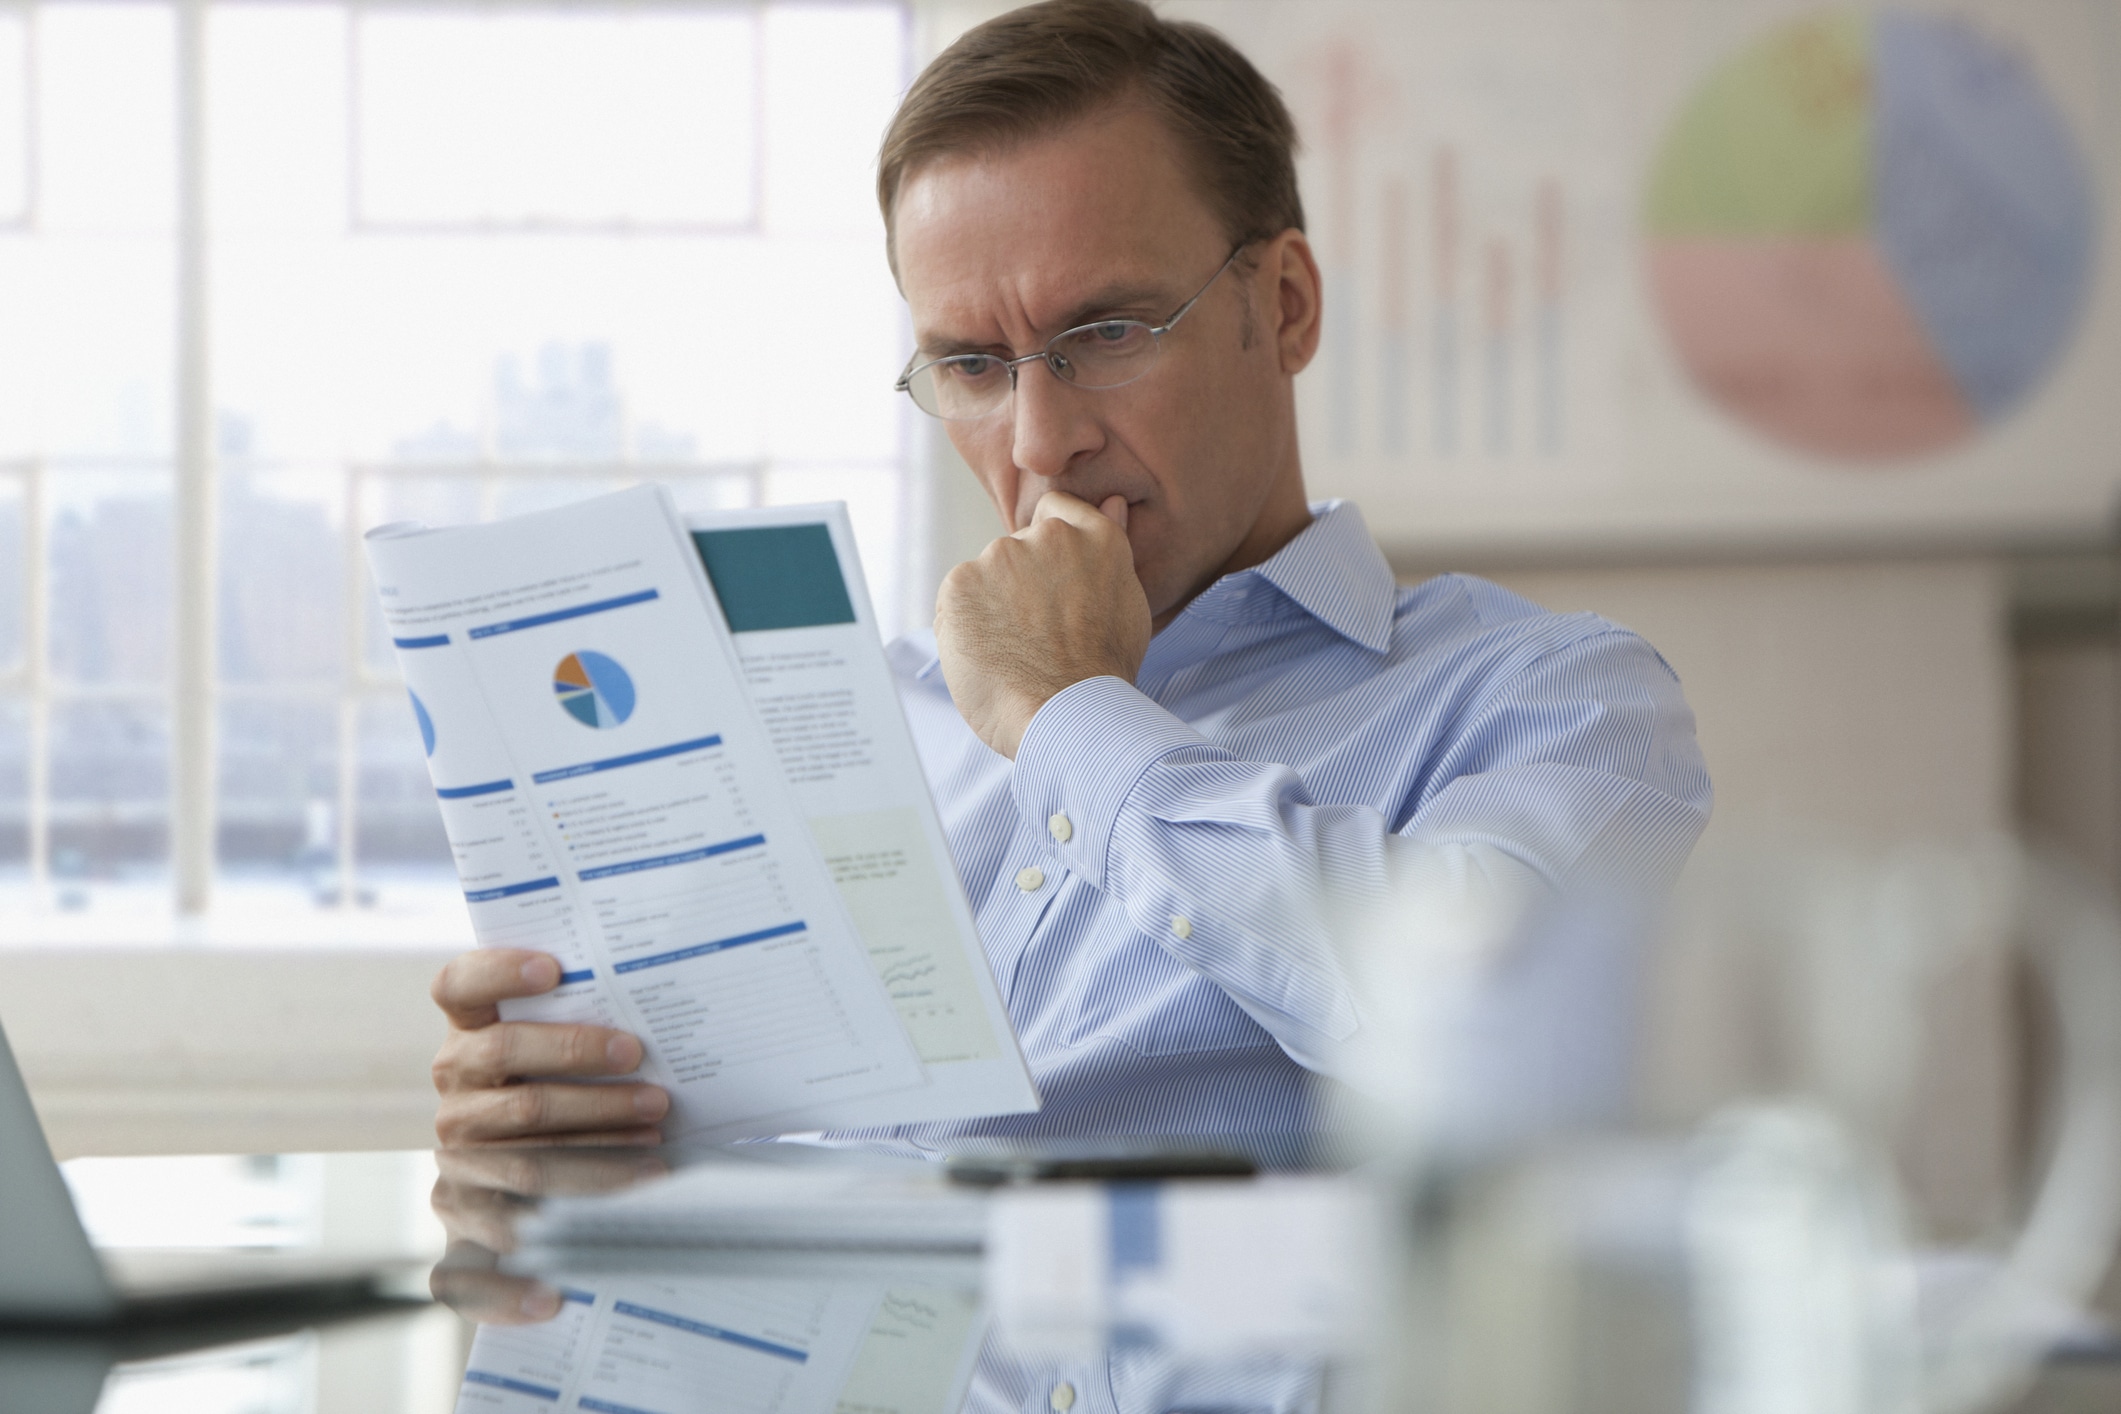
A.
pixel 1107 354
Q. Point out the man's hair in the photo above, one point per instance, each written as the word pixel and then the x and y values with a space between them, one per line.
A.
pixel 1035 70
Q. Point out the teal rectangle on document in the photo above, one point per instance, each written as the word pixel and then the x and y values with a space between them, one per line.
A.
pixel 775 576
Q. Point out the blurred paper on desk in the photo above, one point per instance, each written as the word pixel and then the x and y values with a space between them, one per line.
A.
pixel 775 1200
pixel 1284 1263
pixel 734 1347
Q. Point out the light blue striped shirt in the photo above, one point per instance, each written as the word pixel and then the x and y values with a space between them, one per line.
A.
pixel 1150 875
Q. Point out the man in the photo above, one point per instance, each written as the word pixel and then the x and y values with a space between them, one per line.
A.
pixel 1175 712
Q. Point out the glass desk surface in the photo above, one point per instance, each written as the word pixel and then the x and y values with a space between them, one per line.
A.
pixel 777 1279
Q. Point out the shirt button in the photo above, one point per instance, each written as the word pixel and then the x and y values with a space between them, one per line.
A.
pixel 1062 1399
pixel 1182 925
pixel 1031 880
pixel 1060 827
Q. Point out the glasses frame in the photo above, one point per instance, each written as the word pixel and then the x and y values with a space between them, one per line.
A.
pixel 1055 361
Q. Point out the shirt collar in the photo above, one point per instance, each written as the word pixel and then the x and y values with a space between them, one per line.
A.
pixel 1332 570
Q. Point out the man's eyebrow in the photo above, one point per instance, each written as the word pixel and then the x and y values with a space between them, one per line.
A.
pixel 1146 298
pixel 932 346
pixel 1113 298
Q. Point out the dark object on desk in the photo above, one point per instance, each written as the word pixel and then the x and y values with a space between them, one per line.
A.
pixel 1105 1161
pixel 50 1275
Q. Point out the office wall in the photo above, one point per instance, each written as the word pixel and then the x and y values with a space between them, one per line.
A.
pixel 1655 273
pixel 2069 741
pixel 233 1051
pixel 1865 697
pixel 1841 704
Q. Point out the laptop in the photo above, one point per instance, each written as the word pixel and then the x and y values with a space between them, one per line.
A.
pixel 51 1275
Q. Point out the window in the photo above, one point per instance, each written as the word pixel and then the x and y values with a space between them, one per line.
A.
pixel 447 262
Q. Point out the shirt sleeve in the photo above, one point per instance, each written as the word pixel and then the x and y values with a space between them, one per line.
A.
pixel 1583 761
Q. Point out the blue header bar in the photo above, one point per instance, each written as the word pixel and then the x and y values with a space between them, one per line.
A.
pixel 431 641
pixel 702 949
pixel 484 788
pixel 605 1406
pixel 481 1377
pixel 528 886
pixel 612 763
pixel 749 1342
pixel 665 861
pixel 578 611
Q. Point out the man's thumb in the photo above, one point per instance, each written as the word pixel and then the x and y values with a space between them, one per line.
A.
pixel 1114 509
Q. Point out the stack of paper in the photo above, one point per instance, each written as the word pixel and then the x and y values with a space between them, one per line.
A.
pixel 1285 1263
pixel 842 1201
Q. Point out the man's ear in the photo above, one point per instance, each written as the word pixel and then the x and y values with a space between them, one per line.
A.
pixel 1299 295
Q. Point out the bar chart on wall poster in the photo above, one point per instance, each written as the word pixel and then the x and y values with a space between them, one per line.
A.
pixel 1447 199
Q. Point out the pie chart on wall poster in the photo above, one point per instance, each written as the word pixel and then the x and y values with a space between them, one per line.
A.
pixel 1870 236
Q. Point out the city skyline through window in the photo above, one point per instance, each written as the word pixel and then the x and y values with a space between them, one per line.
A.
pixel 386 340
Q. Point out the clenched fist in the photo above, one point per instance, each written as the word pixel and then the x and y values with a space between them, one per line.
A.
pixel 1040 610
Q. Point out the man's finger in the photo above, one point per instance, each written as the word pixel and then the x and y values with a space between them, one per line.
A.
pixel 519 1050
pixel 1059 505
pixel 470 985
pixel 587 1139
pixel 1114 509
pixel 543 1111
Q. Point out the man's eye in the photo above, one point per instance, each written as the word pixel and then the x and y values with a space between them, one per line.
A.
pixel 1112 336
pixel 970 369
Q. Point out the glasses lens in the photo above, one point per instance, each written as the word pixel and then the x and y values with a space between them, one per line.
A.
pixel 956 389
pixel 1103 355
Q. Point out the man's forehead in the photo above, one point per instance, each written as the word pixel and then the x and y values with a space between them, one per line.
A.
pixel 1098 213
pixel 981 308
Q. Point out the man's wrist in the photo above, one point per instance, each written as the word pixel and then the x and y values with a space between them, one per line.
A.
pixel 1020 706
pixel 1079 760
pixel 1015 719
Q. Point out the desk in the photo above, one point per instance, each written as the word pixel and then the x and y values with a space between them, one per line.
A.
pixel 886 1333
pixel 373 1360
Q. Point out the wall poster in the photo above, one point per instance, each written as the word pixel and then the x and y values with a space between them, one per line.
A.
pixel 1682 274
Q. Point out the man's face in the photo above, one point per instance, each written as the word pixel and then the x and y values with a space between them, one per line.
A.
pixel 998 253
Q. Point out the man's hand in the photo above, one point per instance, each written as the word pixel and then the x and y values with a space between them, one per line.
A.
pixel 1039 611
pixel 497 1077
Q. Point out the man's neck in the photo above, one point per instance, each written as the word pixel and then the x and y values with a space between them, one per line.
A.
pixel 1283 518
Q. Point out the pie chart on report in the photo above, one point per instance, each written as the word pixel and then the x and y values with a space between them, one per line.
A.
pixel 1870 235
pixel 593 689
pixel 426 723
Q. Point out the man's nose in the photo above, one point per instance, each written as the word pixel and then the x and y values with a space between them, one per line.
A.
pixel 1054 423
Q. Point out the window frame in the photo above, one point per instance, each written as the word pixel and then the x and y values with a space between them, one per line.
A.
pixel 195 692
pixel 25 220
pixel 358 222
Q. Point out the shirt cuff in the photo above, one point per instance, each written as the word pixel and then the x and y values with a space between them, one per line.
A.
pixel 1079 760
